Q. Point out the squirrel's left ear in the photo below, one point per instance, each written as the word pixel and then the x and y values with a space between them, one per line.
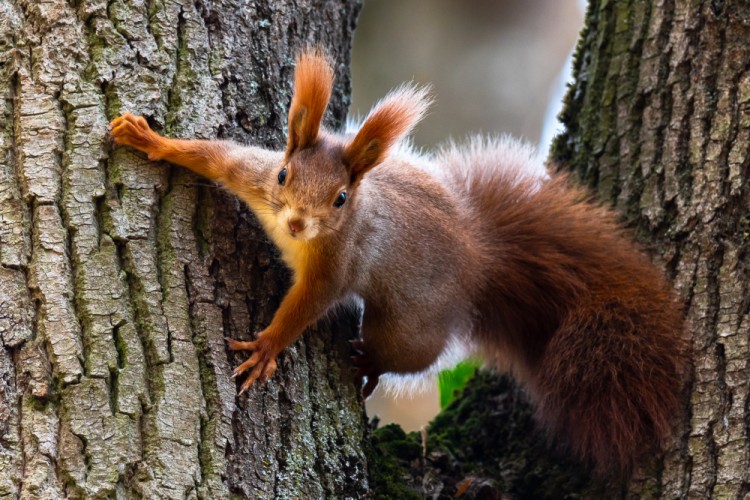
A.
pixel 391 119
pixel 313 80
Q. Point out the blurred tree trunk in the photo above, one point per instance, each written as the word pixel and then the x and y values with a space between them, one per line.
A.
pixel 119 278
pixel 658 123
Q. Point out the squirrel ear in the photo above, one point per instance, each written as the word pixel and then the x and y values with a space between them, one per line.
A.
pixel 313 80
pixel 391 119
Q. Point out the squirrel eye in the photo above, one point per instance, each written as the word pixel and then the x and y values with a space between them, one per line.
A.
pixel 340 200
pixel 282 176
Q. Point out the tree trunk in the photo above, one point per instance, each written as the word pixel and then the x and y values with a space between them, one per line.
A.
pixel 657 122
pixel 120 278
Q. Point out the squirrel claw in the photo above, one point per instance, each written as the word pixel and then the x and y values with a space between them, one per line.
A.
pixel 261 364
pixel 262 370
pixel 134 131
pixel 240 369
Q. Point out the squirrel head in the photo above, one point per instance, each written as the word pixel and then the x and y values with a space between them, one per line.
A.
pixel 316 185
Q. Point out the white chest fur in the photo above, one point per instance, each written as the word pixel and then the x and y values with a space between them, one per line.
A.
pixel 294 252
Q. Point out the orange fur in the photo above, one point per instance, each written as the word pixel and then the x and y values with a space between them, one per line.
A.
pixel 206 158
pixel 313 81
pixel 390 120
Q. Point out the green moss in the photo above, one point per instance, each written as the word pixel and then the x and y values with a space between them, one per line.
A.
pixel 390 453
pixel 487 435
pixel 40 404
pixel 590 127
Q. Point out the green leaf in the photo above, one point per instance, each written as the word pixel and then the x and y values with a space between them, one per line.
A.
pixel 451 382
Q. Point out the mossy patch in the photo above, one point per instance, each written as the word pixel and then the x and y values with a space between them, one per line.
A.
pixel 484 445
pixel 392 451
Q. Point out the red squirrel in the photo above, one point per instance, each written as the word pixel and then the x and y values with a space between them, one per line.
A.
pixel 466 246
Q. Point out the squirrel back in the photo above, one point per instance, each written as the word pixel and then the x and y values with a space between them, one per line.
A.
pixel 570 305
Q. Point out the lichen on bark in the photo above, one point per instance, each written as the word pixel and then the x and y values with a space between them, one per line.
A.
pixel 119 278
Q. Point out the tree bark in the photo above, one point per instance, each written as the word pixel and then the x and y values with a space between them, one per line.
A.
pixel 120 278
pixel 657 122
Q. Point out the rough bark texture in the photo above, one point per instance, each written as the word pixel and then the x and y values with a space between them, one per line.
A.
pixel 119 277
pixel 657 122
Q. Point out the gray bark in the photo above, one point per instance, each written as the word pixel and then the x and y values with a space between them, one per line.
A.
pixel 657 122
pixel 119 278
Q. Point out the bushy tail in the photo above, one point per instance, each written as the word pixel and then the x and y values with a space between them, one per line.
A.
pixel 611 377
pixel 588 323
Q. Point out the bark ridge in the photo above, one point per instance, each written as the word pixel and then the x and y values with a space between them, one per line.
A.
pixel 119 278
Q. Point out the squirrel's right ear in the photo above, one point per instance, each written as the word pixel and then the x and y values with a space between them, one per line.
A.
pixel 313 81
pixel 390 120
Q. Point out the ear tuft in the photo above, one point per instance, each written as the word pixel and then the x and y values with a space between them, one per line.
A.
pixel 390 120
pixel 313 81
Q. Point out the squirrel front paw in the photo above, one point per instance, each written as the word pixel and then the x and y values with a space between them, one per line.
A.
pixel 262 361
pixel 366 368
pixel 134 131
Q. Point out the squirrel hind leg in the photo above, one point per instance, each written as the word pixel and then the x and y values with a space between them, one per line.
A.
pixel 407 352
pixel 402 343
pixel 368 371
pixel 610 383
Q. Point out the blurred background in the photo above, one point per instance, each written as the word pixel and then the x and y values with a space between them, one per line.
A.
pixel 495 66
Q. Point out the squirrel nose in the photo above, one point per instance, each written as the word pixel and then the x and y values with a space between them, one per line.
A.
pixel 295 224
